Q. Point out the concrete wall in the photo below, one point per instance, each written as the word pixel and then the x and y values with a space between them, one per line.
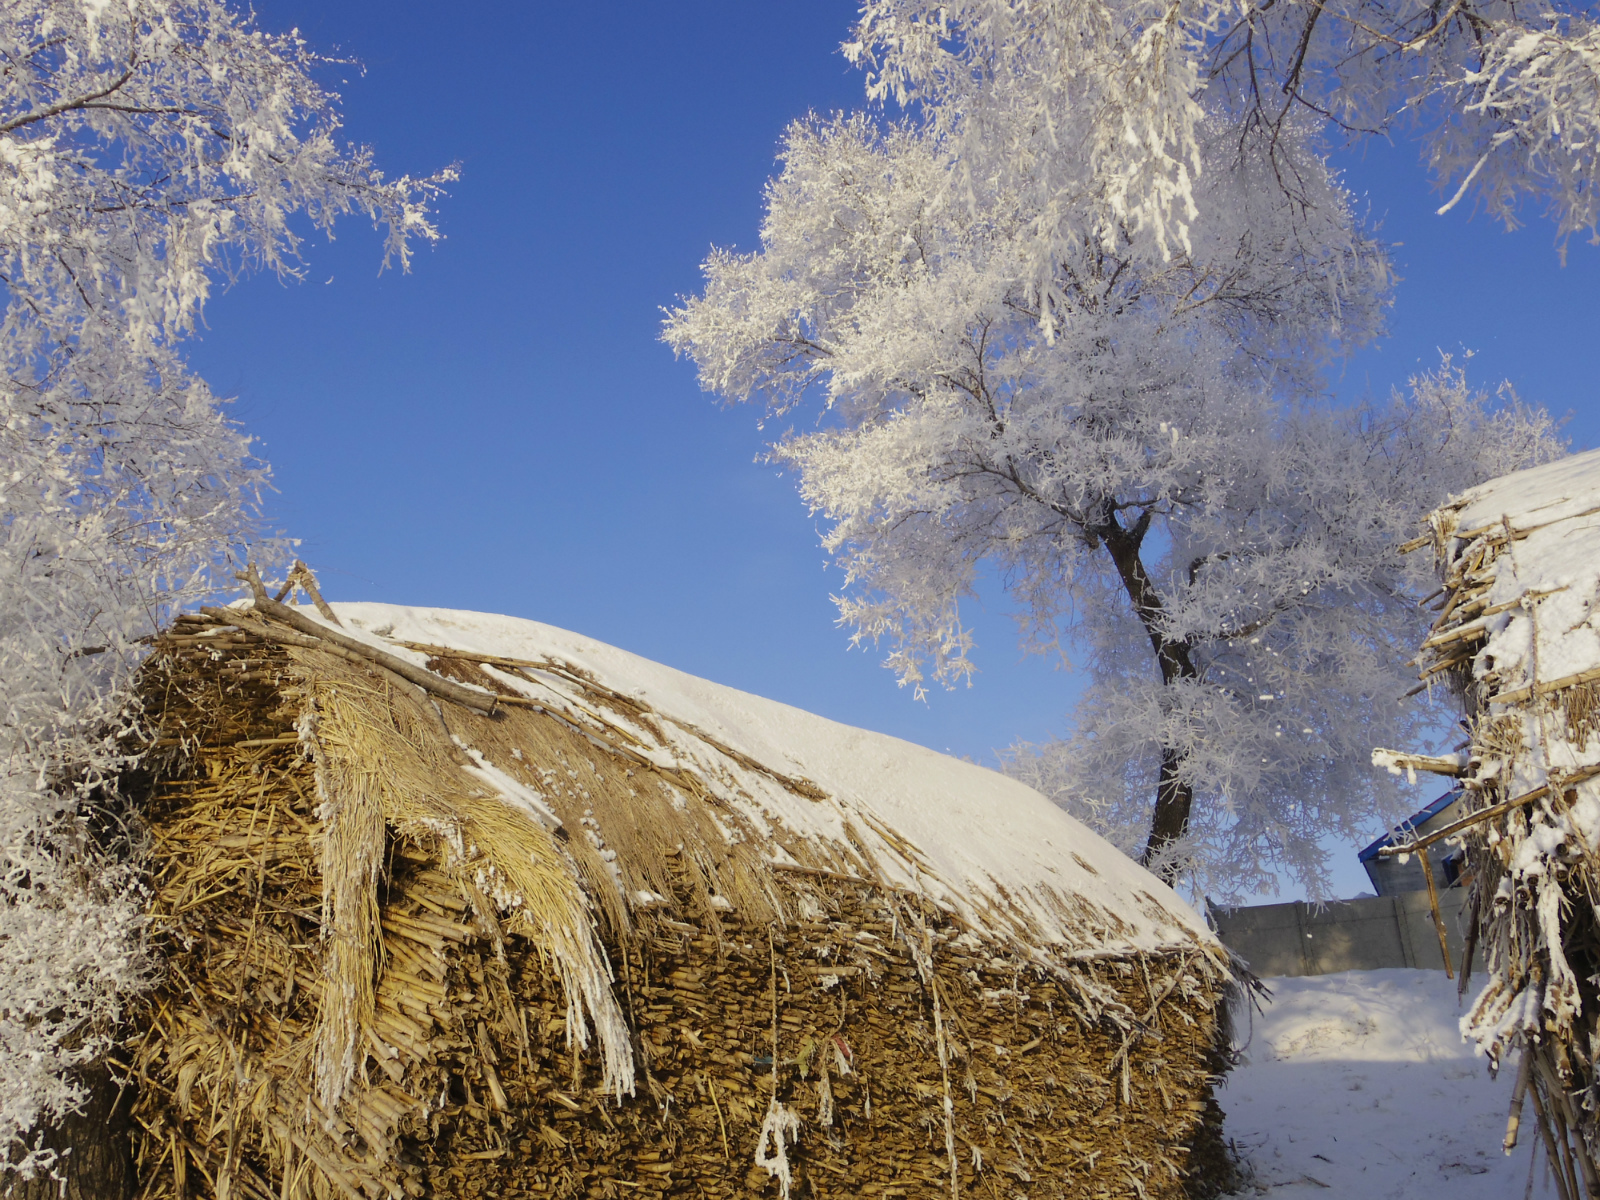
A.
pixel 1349 935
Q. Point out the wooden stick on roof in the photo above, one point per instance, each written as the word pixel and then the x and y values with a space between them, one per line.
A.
pixel 346 646
pixel 302 575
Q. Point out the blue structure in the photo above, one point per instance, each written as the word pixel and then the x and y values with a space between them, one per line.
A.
pixel 1390 876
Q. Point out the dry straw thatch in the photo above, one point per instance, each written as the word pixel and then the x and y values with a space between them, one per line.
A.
pixel 424 941
pixel 1519 563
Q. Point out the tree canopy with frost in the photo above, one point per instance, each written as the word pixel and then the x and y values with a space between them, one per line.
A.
pixel 148 150
pixel 1505 99
pixel 1066 321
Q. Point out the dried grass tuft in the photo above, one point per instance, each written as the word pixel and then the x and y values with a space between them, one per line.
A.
pixel 377 757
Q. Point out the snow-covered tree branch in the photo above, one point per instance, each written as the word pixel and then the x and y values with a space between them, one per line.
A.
pixel 1505 98
pixel 148 149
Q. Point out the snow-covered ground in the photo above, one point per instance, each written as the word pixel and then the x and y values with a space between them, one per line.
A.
pixel 1358 1085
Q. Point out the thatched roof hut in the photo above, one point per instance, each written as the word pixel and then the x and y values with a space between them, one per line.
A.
pixel 459 905
pixel 1518 636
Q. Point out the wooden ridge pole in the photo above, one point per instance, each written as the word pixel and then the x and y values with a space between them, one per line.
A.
pixel 315 635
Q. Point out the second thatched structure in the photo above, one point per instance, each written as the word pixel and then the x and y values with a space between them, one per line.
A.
pixel 1518 638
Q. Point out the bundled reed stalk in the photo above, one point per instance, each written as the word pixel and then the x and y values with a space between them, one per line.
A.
pixel 419 947
pixel 1532 823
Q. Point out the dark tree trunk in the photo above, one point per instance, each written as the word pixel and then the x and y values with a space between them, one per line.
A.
pixel 1174 795
pixel 97 1151
pixel 1174 800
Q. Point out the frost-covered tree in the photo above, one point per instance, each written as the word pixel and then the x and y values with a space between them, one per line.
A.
pixel 1291 621
pixel 1129 434
pixel 148 150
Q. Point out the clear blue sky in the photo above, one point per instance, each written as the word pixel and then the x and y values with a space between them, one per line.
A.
pixel 500 430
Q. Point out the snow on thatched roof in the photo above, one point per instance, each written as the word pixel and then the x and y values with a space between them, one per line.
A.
pixel 1543 583
pixel 976 843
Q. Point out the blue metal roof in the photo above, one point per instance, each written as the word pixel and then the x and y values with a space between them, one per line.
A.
pixel 1412 822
